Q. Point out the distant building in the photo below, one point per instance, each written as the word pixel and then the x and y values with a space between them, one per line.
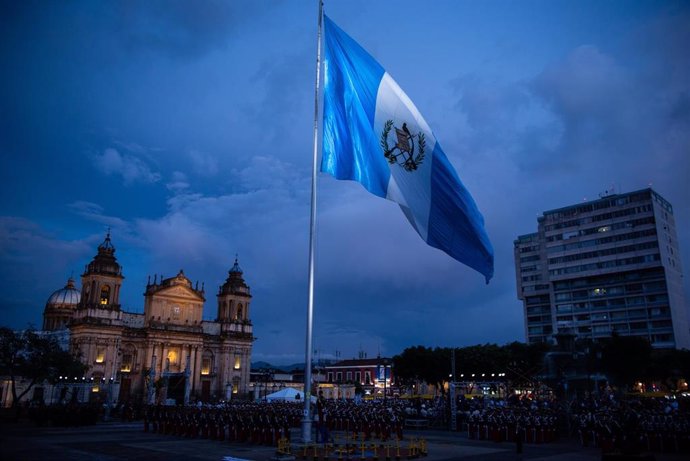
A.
pixel 168 353
pixel 609 265
pixel 374 376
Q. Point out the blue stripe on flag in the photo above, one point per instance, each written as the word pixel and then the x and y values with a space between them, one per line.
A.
pixel 351 82
pixel 455 224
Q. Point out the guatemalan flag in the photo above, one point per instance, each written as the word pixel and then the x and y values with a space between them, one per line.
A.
pixel 374 134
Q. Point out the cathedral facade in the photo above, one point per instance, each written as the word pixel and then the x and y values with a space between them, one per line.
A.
pixel 168 353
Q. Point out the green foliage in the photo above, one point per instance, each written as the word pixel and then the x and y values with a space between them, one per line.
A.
pixel 433 366
pixel 625 359
pixel 622 359
pixel 35 358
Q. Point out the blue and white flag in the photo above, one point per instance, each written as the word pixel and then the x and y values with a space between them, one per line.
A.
pixel 374 134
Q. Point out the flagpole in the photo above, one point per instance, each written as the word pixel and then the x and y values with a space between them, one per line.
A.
pixel 306 422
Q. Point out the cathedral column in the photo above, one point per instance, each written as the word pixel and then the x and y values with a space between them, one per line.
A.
pixel 197 366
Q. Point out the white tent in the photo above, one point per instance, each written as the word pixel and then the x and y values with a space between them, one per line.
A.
pixel 287 394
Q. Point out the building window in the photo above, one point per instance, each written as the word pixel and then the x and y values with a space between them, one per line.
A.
pixel 126 365
pixel 358 377
pixel 604 229
pixel 239 312
pixel 176 312
pixel 100 355
pixel 339 376
pixel 172 357
pixel 330 376
pixel 348 376
pixel 367 377
pixel 206 366
pixel 238 362
pixel 105 295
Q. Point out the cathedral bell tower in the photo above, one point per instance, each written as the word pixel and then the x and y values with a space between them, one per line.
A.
pixel 101 280
pixel 234 298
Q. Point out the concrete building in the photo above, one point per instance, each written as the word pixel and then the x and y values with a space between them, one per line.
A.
pixel 375 376
pixel 607 265
pixel 168 353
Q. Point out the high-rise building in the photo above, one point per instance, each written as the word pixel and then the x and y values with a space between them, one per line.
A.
pixel 605 266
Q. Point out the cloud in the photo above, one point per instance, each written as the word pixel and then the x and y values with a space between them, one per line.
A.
pixel 204 164
pixel 182 28
pixel 34 263
pixel 94 212
pixel 132 169
pixel 178 183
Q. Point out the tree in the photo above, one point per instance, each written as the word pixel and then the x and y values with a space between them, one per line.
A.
pixel 36 358
pixel 625 359
pixel 420 363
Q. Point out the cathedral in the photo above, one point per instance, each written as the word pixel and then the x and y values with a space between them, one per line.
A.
pixel 168 353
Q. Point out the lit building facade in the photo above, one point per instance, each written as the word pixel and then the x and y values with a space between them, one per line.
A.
pixel 609 265
pixel 375 376
pixel 167 353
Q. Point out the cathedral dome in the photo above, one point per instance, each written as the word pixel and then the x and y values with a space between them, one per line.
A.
pixel 65 297
pixel 235 283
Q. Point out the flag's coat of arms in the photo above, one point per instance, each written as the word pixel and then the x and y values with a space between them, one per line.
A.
pixel 374 134
pixel 403 152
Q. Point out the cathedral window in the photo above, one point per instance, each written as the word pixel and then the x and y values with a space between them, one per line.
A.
pixel 206 366
pixel 238 362
pixel 239 312
pixel 126 365
pixel 105 295
pixel 100 355
pixel 176 312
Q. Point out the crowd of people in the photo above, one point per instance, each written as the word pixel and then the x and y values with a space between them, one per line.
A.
pixel 251 422
pixel 378 419
pixel 267 422
pixel 632 424
pixel 499 420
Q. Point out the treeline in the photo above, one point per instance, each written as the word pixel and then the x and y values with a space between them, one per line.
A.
pixel 624 360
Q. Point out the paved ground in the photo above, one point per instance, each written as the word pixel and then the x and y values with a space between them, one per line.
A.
pixel 127 441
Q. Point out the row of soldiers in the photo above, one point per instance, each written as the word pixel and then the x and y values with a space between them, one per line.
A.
pixel 246 423
pixel 376 419
pixel 266 423
pixel 508 424
pixel 633 426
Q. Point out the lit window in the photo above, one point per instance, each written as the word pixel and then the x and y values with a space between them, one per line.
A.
pixel 599 291
pixel 206 366
pixel 105 295
pixel 176 312
pixel 604 229
pixel 172 357
pixel 126 365
pixel 100 355
pixel 238 362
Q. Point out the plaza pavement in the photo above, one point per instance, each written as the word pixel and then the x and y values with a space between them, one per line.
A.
pixel 127 441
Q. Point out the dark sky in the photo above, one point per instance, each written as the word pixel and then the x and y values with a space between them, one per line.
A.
pixel 186 127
